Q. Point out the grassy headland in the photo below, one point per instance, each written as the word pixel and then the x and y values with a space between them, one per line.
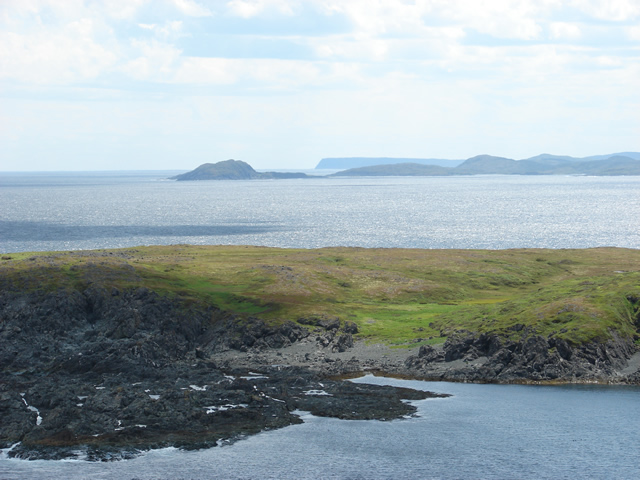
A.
pixel 395 296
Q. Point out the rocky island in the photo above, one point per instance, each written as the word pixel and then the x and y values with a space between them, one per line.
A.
pixel 233 170
pixel 107 353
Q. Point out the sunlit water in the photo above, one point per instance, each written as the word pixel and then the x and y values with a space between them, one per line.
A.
pixel 481 432
pixel 63 212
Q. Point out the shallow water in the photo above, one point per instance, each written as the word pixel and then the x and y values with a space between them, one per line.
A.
pixel 481 432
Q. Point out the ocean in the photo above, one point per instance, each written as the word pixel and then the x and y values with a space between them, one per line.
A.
pixel 480 432
pixel 44 212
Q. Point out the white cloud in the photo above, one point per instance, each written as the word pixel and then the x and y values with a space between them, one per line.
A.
pixel 253 8
pixel 191 8
pixel 55 56
pixel 634 33
pixel 610 10
pixel 266 76
pixel 156 61
pixel 207 71
pixel 120 9
pixel 564 31
pixel 170 29
pixel 501 18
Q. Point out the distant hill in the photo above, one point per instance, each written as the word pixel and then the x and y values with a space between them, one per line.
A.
pixel 634 155
pixel 544 164
pixel 483 164
pixel 618 165
pixel 523 166
pixel 399 169
pixel 357 162
pixel 232 170
pixel 490 165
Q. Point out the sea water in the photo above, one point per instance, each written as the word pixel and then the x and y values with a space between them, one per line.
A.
pixel 482 431
pixel 43 212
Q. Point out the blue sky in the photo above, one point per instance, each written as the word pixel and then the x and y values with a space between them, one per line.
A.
pixel 171 84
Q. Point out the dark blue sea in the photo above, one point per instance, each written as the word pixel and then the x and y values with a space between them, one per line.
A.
pixel 481 432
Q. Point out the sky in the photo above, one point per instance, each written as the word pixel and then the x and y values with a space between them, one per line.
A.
pixel 172 84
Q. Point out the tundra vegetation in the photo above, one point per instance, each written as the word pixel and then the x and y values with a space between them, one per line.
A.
pixel 400 297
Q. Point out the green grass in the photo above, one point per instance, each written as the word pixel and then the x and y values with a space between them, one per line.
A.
pixel 399 324
pixel 396 296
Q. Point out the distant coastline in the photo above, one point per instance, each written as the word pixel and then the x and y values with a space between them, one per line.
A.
pixel 343 163
pixel 625 163
pixel 616 164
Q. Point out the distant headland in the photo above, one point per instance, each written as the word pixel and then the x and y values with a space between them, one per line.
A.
pixel 625 163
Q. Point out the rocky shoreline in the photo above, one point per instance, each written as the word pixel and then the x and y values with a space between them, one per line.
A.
pixel 104 373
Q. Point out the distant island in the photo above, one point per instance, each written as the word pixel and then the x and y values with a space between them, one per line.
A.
pixel 232 170
pixel 627 163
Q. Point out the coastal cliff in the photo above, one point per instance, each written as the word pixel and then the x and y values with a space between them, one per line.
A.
pixel 113 352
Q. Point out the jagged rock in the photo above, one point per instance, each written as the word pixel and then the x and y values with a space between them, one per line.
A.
pixel 429 354
pixel 116 373
pixel 457 347
pixel 343 343
pixel 350 327
pixel 323 321
pixel 533 358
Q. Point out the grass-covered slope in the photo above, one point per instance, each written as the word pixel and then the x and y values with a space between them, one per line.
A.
pixel 396 296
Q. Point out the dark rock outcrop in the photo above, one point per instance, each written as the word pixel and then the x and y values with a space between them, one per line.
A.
pixel 113 371
pixel 328 334
pixel 491 358
pixel 110 373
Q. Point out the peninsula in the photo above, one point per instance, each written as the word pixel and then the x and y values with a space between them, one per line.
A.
pixel 111 352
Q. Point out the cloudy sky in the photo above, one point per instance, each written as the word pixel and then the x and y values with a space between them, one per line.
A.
pixel 171 84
